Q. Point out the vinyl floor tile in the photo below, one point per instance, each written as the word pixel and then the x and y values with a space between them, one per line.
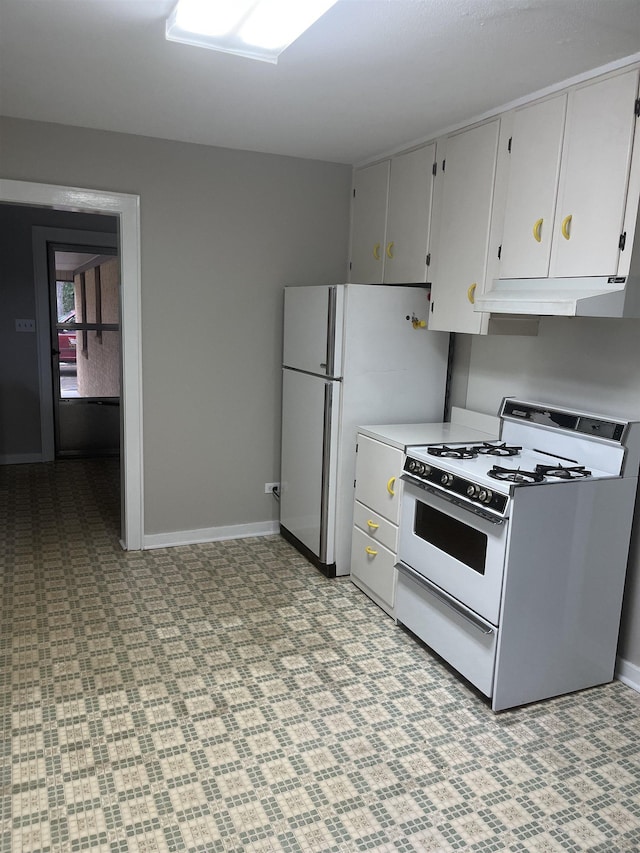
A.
pixel 227 697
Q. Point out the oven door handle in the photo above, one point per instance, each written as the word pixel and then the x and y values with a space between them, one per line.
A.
pixel 445 599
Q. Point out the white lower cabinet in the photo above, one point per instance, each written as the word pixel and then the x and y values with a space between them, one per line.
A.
pixel 376 516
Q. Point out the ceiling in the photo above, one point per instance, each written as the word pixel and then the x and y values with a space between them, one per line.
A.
pixel 369 77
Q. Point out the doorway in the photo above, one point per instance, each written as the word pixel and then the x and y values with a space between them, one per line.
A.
pixel 126 208
pixel 84 292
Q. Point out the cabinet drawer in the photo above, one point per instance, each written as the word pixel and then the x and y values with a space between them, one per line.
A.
pixel 375 567
pixel 377 528
pixel 378 469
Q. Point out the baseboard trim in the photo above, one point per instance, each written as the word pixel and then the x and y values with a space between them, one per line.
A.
pixel 628 673
pixel 20 458
pixel 208 534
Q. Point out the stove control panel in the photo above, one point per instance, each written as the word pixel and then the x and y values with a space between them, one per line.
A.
pixel 454 485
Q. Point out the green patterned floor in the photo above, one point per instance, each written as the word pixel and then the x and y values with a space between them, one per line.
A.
pixel 227 697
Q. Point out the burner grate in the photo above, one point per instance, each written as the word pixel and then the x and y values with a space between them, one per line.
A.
pixel 563 472
pixel 453 452
pixel 515 475
pixel 503 449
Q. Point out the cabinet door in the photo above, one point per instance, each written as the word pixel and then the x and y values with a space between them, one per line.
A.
pixel 408 216
pixel 593 177
pixel 534 166
pixel 460 250
pixel 369 223
pixel 378 469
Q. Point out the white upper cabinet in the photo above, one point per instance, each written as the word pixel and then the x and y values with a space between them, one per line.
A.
pixel 594 174
pixel 534 167
pixel 463 227
pixel 568 175
pixel 371 188
pixel 391 219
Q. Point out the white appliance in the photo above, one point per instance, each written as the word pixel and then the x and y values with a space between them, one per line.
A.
pixel 352 354
pixel 513 553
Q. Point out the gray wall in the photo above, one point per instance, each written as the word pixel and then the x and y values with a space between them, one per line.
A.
pixel 222 232
pixel 589 363
pixel 19 387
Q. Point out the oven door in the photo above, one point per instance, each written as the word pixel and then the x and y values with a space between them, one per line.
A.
pixel 453 548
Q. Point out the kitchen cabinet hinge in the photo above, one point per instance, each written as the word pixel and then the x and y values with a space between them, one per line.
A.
pixel 623 240
pixel 443 164
pixel 350 265
pixel 432 304
pixel 434 169
pixel 499 251
pixel 428 259
pixel 637 108
pixel 354 484
pixel 354 192
pixel 509 145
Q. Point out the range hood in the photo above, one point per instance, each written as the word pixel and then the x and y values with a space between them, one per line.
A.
pixel 597 296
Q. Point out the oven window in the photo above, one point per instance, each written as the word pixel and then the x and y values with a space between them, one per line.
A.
pixel 458 540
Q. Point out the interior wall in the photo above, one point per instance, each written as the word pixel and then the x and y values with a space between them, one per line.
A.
pixel 584 362
pixel 20 437
pixel 222 232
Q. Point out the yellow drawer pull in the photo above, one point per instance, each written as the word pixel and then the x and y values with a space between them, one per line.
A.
pixel 566 222
pixel 390 249
pixel 471 293
pixel 372 525
pixel 376 251
pixel 371 552
pixel 390 486
pixel 537 228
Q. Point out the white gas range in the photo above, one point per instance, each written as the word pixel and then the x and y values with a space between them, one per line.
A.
pixel 513 553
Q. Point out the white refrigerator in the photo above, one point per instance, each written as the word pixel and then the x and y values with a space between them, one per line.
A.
pixel 353 354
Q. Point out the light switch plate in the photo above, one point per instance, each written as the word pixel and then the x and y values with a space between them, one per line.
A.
pixel 25 326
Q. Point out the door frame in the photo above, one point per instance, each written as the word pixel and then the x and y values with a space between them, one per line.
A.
pixel 126 208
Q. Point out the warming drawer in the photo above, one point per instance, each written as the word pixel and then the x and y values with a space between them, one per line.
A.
pixel 457 634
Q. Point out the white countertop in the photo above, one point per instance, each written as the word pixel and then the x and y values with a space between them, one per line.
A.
pixel 403 436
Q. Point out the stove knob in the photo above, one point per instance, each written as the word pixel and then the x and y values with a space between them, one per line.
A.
pixel 472 491
pixel 446 479
pixel 426 470
pixel 485 496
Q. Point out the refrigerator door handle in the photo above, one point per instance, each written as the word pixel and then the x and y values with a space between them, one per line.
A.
pixel 326 462
pixel 329 365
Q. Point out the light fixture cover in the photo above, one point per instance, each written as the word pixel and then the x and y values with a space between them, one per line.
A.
pixel 258 29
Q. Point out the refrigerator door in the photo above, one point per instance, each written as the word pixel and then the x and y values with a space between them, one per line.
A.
pixel 313 329
pixel 310 408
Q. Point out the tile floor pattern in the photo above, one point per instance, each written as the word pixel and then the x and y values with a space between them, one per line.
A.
pixel 227 697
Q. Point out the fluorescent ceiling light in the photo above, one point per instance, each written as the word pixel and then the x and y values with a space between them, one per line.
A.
pixel 259 29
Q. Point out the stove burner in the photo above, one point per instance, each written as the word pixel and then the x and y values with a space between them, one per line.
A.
pixel 563 472
pixel 498 449
pixel 515 475
pixel 453 452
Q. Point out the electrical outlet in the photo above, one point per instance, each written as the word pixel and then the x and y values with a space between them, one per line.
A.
pixel 25 326
pixel 269 488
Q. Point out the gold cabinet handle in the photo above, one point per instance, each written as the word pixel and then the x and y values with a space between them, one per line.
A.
pixel 390 486
pixel 376 251
pixel 566 222
pixel 471 293
pixel 537 229
pixel 390 250
pixel 372 525
pixel 371 551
